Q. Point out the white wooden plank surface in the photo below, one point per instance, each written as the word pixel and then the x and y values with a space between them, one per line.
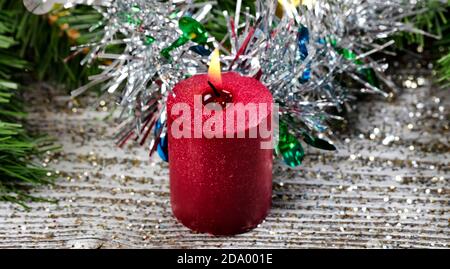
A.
pixel 118 198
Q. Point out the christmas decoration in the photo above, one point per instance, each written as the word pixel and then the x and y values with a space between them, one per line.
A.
pixel 289 147
pixel 311 55
pixel 314 58
pixel 150 64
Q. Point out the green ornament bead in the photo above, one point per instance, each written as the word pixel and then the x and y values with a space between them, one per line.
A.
pixel 178 43
pixel 371 77
pixel 149 40
pixel 289 147
pixel 348 54
pixel 368 73
pixel 131 19
pixel 332 41
pixel 192 31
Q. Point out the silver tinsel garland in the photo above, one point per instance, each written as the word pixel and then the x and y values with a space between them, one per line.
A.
pixel 316 57
pixel 305 56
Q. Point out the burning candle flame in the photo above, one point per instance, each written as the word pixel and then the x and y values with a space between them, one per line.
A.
pixel 214 73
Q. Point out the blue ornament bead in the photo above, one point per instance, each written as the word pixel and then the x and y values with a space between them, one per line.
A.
pixel 303 40
pixel 306 75
pixel 201 50
pixel 163 143
pixel 163 148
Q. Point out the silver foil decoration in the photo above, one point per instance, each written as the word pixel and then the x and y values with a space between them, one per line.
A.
pixel 305 57
pixel 316 57
pixel 138 74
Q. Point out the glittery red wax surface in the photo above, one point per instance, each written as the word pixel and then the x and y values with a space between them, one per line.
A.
pixel 221 186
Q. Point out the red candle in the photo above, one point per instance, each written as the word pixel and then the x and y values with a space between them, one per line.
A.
pixel 220 185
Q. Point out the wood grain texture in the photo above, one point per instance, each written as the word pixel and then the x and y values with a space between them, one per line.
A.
pixel 366 195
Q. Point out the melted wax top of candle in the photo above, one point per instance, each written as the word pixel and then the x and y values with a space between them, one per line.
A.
pixel 235 89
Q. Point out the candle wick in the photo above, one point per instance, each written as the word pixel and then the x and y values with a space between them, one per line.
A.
pixel 216 92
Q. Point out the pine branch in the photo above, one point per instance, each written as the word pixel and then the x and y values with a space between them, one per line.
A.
pixel 18 171
pixel 435 22
pixel 444 70
pixel 46 41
